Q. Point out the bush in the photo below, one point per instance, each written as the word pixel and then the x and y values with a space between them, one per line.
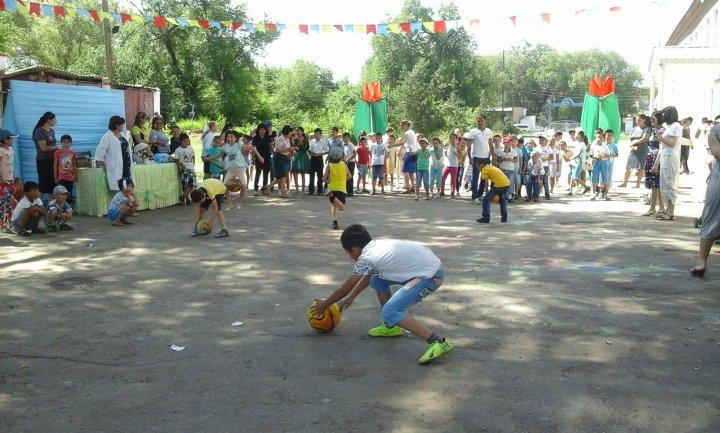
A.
pixel 197 125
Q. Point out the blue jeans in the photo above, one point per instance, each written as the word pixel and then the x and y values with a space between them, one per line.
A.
pixel 532 186
pixel 420 177
pixel 600 172
pixel 477 190
pixel 411 292
pixel 511 174
pixel 502 192
pixel 435 176
pixel 546 188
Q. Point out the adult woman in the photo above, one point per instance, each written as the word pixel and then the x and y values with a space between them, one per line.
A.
pixel 710 229
pixel 301 162
pixel 262 142
pixel 45 147
pixel 139 130
pixel 281 159
pixel 668 162
pixel 652 178
pixel 114 153
pixel 409 161
pixel 159 141
pixel 639 137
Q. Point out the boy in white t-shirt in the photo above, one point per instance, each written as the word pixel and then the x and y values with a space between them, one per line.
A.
pixel 185 156
pixel 378 157
pixel 384 263
pixel 29 211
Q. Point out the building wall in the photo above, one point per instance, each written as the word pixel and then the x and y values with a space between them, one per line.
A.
pixel 688 85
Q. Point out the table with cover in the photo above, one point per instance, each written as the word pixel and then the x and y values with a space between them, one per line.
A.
pixel 156 186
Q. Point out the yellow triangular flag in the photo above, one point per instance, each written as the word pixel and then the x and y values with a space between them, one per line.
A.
pixel 172 21
pixel 360 28
pixel 193 23
pixel 105 16
pixel 394 27
pixel 260 27
pixel 70 13
pixel 325 28
pixel 429 26
pixel 23 7
pixel 138 19
pixel 227 24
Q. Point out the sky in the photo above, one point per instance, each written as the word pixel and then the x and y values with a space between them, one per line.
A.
pixel 633 32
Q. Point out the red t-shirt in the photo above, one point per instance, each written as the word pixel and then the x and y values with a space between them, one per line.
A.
pixel 65 160
pixel 363 155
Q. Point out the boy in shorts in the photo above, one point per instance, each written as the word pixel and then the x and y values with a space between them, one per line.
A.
pixel 59 210
pixel 378 152
pixel 29 211
pixel 185 156
pixel 123 205
pixel 336 176
pixel 210 194
pixel 363 161
pixel 385 262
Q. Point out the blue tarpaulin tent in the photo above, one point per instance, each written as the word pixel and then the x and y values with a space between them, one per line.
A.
pixel 82 112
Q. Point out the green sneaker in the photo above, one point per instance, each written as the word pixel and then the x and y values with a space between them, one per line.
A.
pixel 384 331
pixel 435 350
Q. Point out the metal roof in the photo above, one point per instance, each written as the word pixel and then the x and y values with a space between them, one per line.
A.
pixel 64 74
pixel 689 22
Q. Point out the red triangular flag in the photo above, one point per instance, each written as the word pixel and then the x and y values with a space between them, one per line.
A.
pixel 474 21
pixel 2 5
pixel 338 26
pixel 371 28
pixel 271 27
pixel 236 25
pixel 545 17
pixel 59 11
pixel 514 20
pixel 439 26
pixel 94 15
pixel 125 18
pixel 303 28
pixel 615 9
pixel 160 22
pixel 405 27
pixel 35 9
pixel 204 24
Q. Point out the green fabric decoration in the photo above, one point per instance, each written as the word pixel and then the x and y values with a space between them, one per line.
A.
pixel 156 185
pixel 600 113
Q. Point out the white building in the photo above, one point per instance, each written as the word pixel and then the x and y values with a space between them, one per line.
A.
pixel 686 71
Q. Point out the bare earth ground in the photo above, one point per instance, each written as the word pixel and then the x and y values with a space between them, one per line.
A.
pixel 576 316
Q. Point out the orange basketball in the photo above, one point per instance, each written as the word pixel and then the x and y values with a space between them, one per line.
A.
pixel 325 322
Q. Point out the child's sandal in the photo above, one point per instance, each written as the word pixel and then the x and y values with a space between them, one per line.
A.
pixel 223 234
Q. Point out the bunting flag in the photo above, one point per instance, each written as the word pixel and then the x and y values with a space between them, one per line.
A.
pixel 161 22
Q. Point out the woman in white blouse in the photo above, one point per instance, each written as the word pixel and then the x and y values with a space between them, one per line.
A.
pixel 668 161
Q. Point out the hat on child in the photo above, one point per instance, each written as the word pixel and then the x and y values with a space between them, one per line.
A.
pixel 335 154
pixel 60 190
pixel 507 139
pixel 5 134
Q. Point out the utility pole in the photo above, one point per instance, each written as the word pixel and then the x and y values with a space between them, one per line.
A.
pixel 108 47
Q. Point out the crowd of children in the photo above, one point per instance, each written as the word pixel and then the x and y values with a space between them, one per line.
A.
pixel 488 167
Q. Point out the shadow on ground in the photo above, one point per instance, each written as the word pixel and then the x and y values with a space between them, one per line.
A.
pixel 575 316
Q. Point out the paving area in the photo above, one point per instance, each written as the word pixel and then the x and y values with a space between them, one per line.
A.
pixel 576 316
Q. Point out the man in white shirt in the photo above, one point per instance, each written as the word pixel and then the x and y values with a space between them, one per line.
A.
pixel 409 163
pixel 481 150
pixel 546 153
pixel 318 148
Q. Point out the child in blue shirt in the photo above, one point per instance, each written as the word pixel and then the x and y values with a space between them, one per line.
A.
pixel 214 159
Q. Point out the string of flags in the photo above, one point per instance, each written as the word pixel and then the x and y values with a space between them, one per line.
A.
pixel 161 22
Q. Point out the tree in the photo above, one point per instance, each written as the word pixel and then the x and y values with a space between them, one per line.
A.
pixel 421 69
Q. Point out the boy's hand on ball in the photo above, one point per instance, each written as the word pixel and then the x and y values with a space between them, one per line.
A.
pixel 319 307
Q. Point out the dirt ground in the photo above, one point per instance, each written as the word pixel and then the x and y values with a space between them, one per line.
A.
pixel 576 316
